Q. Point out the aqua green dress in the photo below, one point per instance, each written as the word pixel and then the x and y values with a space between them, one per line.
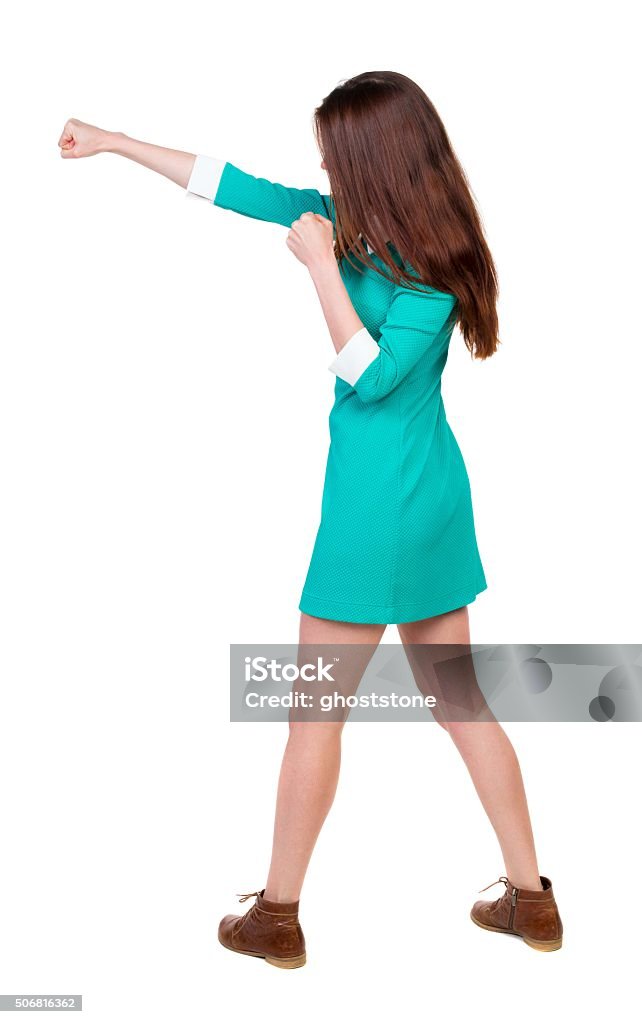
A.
pixel 396 540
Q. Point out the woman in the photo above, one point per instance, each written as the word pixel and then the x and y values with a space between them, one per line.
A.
pixel 397 255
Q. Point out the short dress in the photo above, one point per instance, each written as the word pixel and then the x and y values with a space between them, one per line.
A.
pixel 396 540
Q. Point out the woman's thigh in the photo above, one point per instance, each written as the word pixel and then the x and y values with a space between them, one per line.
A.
pixel 440 656
pixel 327 631
pixel 345 648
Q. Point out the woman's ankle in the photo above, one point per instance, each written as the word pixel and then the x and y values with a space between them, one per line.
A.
pixel 280 894
pixel 530 882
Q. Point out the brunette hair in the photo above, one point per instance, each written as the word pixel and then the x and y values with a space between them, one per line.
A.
pixel 394 177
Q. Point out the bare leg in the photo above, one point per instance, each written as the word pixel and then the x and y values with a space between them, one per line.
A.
pixel 489 757
pixel 310 768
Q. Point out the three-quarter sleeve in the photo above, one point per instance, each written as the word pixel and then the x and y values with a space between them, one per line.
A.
pixel 231 188
pixel 356 355
pixel 205 177
pixel 416 321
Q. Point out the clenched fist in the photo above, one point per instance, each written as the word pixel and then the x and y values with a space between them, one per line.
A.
pixel 80 139
pixel 310 239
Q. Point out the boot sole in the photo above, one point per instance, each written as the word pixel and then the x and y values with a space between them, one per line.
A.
pixel 287 963
pixel 547 946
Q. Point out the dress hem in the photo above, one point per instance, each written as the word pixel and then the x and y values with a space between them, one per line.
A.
pixel 320 608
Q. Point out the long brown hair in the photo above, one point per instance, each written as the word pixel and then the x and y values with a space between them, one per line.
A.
pixel 394 177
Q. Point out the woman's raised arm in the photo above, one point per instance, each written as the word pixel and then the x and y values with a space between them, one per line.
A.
pixel 217 180
pixel 79 139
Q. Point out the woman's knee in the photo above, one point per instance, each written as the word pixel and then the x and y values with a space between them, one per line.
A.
pixel 315 732
pixel 466 734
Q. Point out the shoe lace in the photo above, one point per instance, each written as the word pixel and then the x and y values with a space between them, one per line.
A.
pixel 502 878
pixel 507 883
pixel 247 896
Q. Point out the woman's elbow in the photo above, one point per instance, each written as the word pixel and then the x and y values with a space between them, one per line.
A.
pixel 371 392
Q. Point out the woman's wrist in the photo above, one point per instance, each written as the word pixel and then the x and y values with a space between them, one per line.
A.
pixel 324 268
pixel 113 142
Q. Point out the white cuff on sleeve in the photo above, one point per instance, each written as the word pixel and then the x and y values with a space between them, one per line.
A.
pixel 355 356
pixel 205 177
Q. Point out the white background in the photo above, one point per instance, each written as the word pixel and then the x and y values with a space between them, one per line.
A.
pixel 164 395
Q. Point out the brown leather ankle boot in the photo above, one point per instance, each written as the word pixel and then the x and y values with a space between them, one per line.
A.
pixel 269 930
pixel 526 912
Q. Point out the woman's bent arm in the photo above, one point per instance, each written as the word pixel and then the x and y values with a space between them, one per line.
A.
pixel 79 139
